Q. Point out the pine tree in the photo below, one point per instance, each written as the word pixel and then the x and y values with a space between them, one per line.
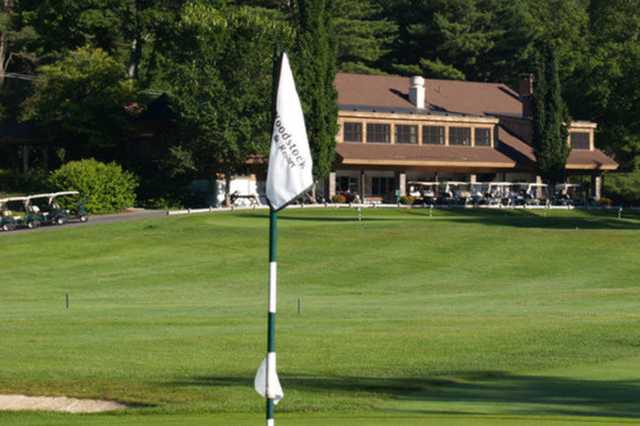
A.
pixel 363 34
pixel 550 121
pixel 315 57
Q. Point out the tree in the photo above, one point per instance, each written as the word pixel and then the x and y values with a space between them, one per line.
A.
pixel 362 35
pixel 550 121
pixel 16 56
pixel 81 98
pixel 605 87
pixel 315 60
pixel 65 25
pixel 220 93
pixel 441 38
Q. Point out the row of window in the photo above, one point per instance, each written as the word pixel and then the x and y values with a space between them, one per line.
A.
pixel 408 134
pixel 380 186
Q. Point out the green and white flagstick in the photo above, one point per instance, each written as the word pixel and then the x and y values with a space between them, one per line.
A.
pixel 289 176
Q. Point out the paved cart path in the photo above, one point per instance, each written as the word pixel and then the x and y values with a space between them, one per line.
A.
pixel 134 214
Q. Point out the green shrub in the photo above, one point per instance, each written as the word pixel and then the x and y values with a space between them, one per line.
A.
pixel 407 200
pixel 624 188
pixel 105 188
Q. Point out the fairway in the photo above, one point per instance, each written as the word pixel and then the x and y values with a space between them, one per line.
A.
pixel 467 317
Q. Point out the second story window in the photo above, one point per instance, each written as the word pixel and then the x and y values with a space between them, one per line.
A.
pixel 378 133
pixel 460 136
pixel 353 132
pixel 580 140
pixel 483 137
pixel 433 135
pixel 406 134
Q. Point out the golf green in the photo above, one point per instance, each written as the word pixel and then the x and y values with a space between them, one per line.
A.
pixel 482 317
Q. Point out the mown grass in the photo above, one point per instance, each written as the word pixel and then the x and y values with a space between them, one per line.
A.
pixel 483 316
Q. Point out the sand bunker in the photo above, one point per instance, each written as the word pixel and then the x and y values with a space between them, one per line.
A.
pixel 59 404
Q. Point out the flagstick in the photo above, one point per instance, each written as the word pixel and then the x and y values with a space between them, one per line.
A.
pixel 271 328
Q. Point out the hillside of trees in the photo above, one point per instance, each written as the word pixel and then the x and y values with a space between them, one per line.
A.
pixel 83 73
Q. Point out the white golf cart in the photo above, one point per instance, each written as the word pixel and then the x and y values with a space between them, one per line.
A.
pixel 425 193
pixel 499 194
pixel 479 193
pixel 536 194
pixel 19 213
pixel 40 204
pixel 7 222
pixel 569 194
pixel 65 206
pixel 455 193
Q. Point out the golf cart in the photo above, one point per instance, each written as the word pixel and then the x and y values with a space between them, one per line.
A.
pixel 66 206
pixel 567 194
pixel 479 193
pixel 40 205
pixel 7 222
pixel 23 214
pixel 424 192
pixel 536 194
pixel 455 193
pixel 499 194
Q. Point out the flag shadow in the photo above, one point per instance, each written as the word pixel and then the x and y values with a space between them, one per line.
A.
pixel 514 394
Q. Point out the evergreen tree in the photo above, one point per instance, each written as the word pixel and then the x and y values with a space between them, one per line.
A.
pixel 362 35
pixel 550 121
pixel 315 57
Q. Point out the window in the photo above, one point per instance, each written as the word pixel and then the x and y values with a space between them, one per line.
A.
pixel 580 140
pixel 378 133
pixel 347 184
pixel 353 132
pixel 381 186
pixel 460 136
pixel 406 134
pixel 433 135
pixel 483 137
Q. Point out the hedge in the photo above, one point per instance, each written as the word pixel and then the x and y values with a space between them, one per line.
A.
pixel 105 188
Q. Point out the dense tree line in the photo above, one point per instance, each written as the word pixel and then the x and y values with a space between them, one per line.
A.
pixel 212 59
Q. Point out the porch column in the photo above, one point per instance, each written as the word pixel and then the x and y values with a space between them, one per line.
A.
pixel 331 186
pixel 25 158
pixel 596 186
pixel 402 183
pixel 362 186
pixel 539 190
pixel 473 178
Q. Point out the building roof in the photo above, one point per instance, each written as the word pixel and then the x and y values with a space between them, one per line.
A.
pixel 457 97
pixel 421 155
pixel 579 159
pixel 590 160
pixel 391 94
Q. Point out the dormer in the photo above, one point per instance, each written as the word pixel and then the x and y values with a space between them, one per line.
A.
pixel 582 135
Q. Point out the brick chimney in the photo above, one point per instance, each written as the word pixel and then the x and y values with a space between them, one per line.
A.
pixel 525 90
pixel 417 92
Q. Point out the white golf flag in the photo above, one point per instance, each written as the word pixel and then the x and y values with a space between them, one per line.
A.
pixel 290 164
pixel 260 382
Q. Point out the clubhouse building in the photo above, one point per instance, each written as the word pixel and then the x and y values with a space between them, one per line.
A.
pixel 394 130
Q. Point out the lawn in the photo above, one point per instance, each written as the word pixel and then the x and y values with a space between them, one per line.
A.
pixel 465 317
